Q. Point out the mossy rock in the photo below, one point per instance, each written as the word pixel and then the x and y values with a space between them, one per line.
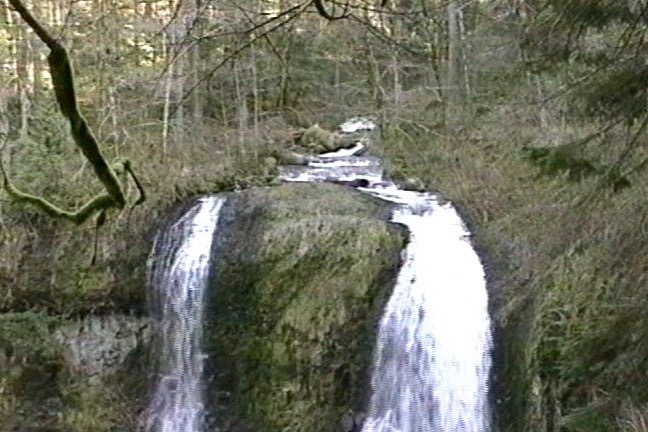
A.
pixel 30 364
pixel 46 387
pixel 304 271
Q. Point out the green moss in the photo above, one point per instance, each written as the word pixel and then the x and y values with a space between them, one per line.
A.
pixel 30 363
pixel 40 390
pixel 304 274
pixel 112 404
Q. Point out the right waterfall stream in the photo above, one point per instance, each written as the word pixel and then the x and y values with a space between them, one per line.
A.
pixel 433 354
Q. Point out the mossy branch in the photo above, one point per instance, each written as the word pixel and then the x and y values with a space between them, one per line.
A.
pixel 63 81
pixel 102 201
pixel 142 193
pixel 319 6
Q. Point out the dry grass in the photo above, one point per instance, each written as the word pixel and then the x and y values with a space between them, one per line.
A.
pixel 633 418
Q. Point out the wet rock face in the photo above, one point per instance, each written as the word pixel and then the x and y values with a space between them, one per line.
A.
pixel 97 346
pixel 303 273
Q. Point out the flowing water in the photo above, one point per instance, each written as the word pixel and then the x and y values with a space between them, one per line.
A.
pixel 432 359
pixel 178 269
pixel 433 354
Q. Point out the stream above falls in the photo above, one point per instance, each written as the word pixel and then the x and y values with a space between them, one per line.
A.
pixel 433 355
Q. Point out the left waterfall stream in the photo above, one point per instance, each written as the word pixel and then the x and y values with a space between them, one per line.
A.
pixel 178 271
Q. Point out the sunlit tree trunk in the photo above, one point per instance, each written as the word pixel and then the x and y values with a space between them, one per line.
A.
pixel 398 89
pixel 25 70
pixel 191 33
pixel 456 85
pixel 394 30
pixel 255 92
pixel 374 78
pixel 197 96
pixel 167 42
pixel 109 123
pixel 5 154
pixel 178 122
pixel 242 112
pixel 22 62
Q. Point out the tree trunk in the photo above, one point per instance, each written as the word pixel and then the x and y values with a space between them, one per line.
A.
pixel 398 89
pixel 456 79
pixel 255 92
pixel 179 123
pixel 242 113
pixel 25 70
pixel 197 96
pixel 167 42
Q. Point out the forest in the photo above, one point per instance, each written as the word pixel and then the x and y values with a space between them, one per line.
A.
pixel 529 115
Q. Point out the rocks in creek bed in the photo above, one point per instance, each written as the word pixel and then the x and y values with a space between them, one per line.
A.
pixel 315 139
pixel 286 157
pixel 414 184
pixel 352 421
pixel 361 182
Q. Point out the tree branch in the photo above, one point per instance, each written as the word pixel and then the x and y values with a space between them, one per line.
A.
pixel 324 13
pixel 63 82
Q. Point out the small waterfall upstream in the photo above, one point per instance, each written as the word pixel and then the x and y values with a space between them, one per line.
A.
pixel 178 269
pixel 433 355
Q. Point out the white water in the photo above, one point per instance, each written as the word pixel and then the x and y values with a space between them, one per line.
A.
pixel 433 354
pixel 178 267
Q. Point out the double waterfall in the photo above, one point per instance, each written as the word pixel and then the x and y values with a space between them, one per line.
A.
pixel 433 355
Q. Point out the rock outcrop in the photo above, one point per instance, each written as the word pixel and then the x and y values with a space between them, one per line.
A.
pixel 303 272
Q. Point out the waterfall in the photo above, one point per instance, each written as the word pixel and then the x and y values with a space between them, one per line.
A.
pixel 178 269
pixel 432 358
pixel 433 355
